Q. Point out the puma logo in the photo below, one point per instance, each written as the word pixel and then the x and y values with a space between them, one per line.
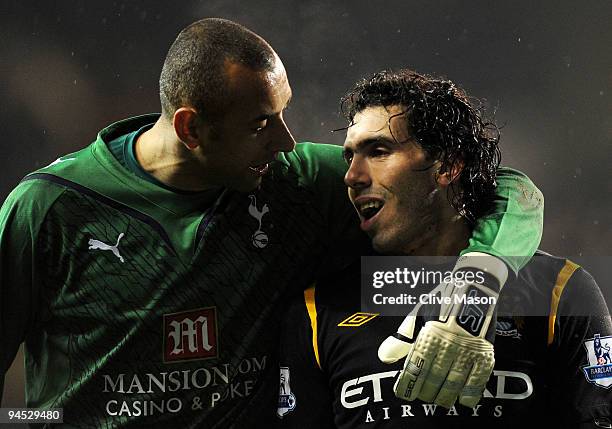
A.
pixel 99 245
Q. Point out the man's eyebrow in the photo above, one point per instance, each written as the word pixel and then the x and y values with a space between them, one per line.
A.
pixel 363 144
pixel 266 116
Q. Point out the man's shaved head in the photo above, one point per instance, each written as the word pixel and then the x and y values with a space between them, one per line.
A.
pixel 194 71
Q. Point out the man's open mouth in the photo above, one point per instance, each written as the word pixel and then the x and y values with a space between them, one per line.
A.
pixel 260 169
pixel 369 208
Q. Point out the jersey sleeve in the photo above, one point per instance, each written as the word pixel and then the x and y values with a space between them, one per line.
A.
pixel 305 398
pixel 581 386
pixel 321 169
pixel 513 229
pixel 20 218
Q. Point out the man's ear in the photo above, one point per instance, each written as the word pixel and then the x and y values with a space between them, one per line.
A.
pixel 445 178
pixel 186 126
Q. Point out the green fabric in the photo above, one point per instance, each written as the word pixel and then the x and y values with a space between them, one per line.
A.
pixel 95 321
pixel 513 230
pixel 20 220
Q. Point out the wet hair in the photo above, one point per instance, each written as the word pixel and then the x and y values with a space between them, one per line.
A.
pixel 446 124
pixel 193 73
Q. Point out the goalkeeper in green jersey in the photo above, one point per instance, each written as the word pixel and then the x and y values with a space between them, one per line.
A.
pixel 146 272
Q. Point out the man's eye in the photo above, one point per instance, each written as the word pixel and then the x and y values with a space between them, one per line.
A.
pixel 260 126
pixel 378 152
pixel 348 157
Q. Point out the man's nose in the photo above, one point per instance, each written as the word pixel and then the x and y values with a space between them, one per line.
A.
pixel 357 176
pixel 282 140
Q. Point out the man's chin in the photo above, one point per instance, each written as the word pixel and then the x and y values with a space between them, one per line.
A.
pixel 381 250
pixel 385 247
pixel 248 185
pixel 380 246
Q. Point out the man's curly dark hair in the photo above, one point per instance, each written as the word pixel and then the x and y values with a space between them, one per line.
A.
pixel 446 124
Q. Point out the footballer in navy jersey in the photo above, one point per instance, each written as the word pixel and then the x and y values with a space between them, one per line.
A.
pixel 330 366
pixel 421 162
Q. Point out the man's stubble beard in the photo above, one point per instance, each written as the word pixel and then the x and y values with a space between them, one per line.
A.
pixel 415 223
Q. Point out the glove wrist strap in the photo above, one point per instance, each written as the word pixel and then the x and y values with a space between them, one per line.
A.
pixel 484 262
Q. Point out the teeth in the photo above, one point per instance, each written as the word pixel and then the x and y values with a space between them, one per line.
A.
pixel 370 208
pixel 371 205
pixel 259 167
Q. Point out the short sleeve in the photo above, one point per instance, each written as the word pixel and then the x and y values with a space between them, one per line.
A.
pixel 582 349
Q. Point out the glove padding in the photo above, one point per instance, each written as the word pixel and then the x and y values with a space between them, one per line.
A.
pixel 443 365
pixel 450 358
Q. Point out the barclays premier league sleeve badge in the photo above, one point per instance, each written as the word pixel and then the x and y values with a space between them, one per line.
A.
pixel 599 372
pixel 286 399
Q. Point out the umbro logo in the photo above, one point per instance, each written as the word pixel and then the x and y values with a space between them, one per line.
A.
pixel 507 328
pixel 99 245
pixel 357 319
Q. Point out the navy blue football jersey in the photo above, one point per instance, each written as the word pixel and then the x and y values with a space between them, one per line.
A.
pixel 553 369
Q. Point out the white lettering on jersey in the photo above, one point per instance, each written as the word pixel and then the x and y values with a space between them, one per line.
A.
pixel 386 410
pixel 452 411
pixel 374 378
pixel 406 411
pixel 498 411
pixel 429 409
pixel 501 384
pixel 352 392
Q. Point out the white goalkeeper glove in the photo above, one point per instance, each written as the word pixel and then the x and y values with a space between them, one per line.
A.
pixel 452 357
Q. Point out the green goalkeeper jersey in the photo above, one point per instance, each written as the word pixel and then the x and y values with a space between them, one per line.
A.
pixel 144 307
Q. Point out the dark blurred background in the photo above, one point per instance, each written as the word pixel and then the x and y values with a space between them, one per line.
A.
pixel 69 68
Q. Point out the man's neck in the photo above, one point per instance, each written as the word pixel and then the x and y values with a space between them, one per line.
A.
pixel 164 157
pixel 448 237
pixel 453 237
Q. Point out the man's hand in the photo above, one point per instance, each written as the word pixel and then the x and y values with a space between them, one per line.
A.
pixel 444 365
pixel 452 357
